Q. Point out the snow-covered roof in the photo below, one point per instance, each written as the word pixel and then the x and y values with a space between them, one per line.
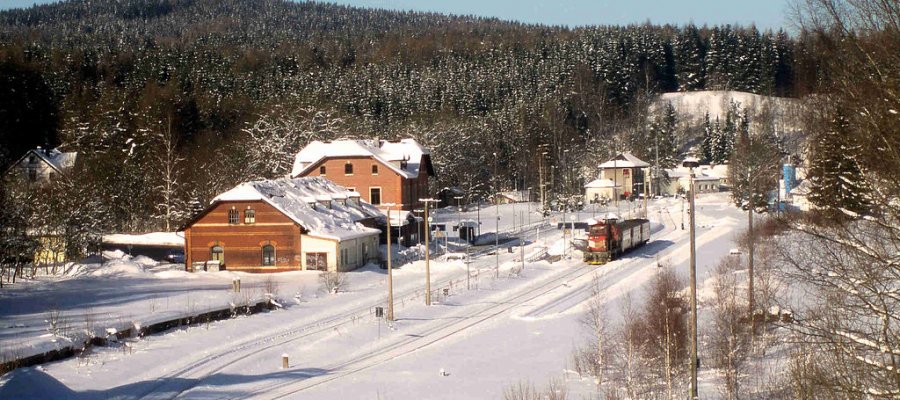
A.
pixel 147 239
pixel 291 196
pixel 720 171
pixel 700 174
pixel 398 217
pixel 404 157
pixel 519 196
pixel 57 159
pixel 602 218
pixel 601 183
pixel 625 160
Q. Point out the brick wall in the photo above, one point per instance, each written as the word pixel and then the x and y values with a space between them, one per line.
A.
pixel 394 188
pixel 243 242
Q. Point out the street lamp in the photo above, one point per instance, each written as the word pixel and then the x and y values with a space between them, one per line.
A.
pixel 691 163
pixel 427 252
pixel 390 314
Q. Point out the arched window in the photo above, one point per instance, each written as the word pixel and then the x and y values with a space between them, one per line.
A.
pixel 348 169
pixel 249 216
pixel 217 253
pixel 233 216
pixel 268 255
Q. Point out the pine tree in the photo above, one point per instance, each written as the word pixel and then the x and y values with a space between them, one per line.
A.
pixel 689 52
pixel 707 144
pixel 837 179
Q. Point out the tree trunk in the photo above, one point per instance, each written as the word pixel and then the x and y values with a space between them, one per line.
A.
pixel 750 240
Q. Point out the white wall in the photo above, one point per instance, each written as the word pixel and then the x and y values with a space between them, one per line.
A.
pixel 312 244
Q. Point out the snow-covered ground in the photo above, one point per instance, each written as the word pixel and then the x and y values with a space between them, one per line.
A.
pixel 495 328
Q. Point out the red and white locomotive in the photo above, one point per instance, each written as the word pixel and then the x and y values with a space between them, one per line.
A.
pixel 609 237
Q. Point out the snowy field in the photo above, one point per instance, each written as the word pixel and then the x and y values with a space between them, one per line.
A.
pixel 496 328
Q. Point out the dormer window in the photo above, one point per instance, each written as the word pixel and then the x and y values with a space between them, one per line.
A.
pixel 374 170
pixel 249 216
pixel 322 170
pixel 348 169
pixel 233 216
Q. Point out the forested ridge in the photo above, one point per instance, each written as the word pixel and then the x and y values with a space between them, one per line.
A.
pixel 227 90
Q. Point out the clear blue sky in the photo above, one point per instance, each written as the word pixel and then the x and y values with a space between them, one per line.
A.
pixel 764 13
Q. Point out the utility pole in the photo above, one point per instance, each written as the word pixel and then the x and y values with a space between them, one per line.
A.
pixel 692 163
pixel 522 241
pixel 497 244
pixel 390 313
pixel 427 252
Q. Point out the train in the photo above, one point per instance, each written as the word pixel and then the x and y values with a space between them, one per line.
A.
pixel 609 238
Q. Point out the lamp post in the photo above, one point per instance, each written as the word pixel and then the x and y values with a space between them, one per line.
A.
pixel 390 313
pixel 692 163
pixel 427 252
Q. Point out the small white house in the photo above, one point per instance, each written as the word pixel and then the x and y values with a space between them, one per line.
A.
pixel 43 165
pixel 600 190
pixel 627 173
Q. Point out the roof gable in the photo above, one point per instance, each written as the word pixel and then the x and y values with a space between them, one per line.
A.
pixel 625 160
pixel 59 161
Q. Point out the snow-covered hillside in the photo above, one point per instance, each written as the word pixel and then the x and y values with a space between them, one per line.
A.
pixel 696 104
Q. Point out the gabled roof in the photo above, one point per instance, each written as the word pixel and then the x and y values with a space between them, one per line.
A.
pixel 520 196
pixel 390 154
pixel 58 160
pixel 625 160
pixel 292 196
pixel 601 183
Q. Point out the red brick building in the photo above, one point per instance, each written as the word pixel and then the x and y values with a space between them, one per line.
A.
pixel 283 225
pixel 382 172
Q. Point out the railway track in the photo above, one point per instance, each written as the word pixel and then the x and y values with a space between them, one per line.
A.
pixel 191 375
pixel 439 331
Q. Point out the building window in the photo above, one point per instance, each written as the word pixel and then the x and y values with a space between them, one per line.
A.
pixel 217 253
pixel 268 255
pixel 52 176
pixel 250 216
pixel 348 169
pixel 317 261
pixel 322 170
pixel 233 216
pixel 32 174
pixel 374 170
pixel 32 160
pixel 375 196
